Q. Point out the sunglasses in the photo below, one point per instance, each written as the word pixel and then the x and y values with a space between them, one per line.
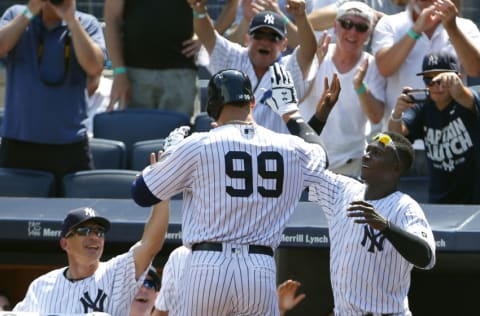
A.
pixel 85 231
pixel 348 24
pixel 429 81
pixel 387 141
pixel 150 284
pixel 272 37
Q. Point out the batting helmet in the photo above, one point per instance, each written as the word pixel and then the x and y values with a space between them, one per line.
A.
pixel 228 86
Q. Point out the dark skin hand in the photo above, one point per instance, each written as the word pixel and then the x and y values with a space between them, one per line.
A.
pixel 365 213
pixel 328 98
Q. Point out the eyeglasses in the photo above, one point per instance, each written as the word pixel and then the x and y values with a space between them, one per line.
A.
pixel 348 24
pixel 272 37
pixel 85 231
pixel 150 284
pixel 387 141
pixel 429 81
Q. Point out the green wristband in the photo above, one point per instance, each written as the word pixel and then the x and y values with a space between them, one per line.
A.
pixel 199 15
pixel 119 70
pixel 28 14
pixel 362 89
pixel 413 34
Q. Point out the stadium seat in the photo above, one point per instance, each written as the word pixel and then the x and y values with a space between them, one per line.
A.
pixel 102 184
pixel 26 183
pixel 141 152
pixel 108 154
pixel 132 125
pixel 415 186
pixel 202 122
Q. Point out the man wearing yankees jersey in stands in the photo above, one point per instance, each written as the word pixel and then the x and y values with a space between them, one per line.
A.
pixel 241 182
pixel 266 43
pixel 87 285
pixel 377 234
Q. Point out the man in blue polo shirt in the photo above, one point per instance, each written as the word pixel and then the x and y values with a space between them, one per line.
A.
pixel 50 50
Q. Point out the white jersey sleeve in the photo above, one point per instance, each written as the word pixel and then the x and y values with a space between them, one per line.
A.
pixel 110 289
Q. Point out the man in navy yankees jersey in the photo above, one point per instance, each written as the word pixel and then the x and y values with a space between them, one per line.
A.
pixel 87 285
pixel 241 182
pixel 377 234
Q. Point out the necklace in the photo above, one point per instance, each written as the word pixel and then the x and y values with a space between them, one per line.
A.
pixel 239 122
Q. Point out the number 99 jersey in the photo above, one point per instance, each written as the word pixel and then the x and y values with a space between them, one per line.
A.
pixel 240 183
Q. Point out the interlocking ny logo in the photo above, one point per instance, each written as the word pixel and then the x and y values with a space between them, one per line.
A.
pixel 89 211
pixel 269 19
pixel 376 239
pixel 97 305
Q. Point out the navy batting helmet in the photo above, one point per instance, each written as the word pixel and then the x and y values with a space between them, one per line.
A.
pixel 228 86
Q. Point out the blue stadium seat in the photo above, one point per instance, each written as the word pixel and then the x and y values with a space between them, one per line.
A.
pixel 108 154
pixel 133 125
pixel 141 152
pixel 26 182
pixel 202 122
pixel 415 186
pixel 101 184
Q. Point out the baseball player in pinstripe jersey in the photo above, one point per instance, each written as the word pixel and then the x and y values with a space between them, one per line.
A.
pixel 267 41
pixel 87 285
pixel 377 234
pixel 167 299
pixel 240 182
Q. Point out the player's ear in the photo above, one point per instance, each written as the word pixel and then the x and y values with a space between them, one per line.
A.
pixel 63 243
pixel 252 103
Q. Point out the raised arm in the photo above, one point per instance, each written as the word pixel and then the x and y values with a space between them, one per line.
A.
pixel 467 52
pixel 372 107
pixel 323 18
pixel 227 16
pixel 306 37
pixel 10 33
pixel 389 59
pixel 89 54
pixel 203 25
pixel 153 237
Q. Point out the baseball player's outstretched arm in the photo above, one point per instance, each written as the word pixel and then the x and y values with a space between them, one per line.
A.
pixel 153 237
pixel 284 102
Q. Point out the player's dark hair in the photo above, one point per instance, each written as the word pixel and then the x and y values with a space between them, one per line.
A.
pixel 404 149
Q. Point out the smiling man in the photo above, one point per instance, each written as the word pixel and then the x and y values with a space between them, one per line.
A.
pixel 266 43
pixel 88 285
pixel 362 95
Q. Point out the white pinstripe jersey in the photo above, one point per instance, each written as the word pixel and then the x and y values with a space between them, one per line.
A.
pixel 367 273
pixel 227 54
pixel 110 289
pixel 168 298
pixel 241 183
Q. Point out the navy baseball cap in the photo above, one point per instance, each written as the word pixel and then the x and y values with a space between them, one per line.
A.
pixel 268 19
pixel 152 272
pixel 81 215
pixel 439 62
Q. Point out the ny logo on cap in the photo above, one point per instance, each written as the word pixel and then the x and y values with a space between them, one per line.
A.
pixel 89 212
pixel 269 19
pixel 432 60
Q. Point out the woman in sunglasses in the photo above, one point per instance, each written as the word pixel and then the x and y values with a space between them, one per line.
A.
pixel 448 122
pixel 362 95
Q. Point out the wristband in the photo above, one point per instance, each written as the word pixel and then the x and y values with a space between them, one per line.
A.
pixel 413 34
pixel 28 14
pixel 396 119
pixel 199 15
pixel 286 19
pixel 362 89
pixel 119 70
